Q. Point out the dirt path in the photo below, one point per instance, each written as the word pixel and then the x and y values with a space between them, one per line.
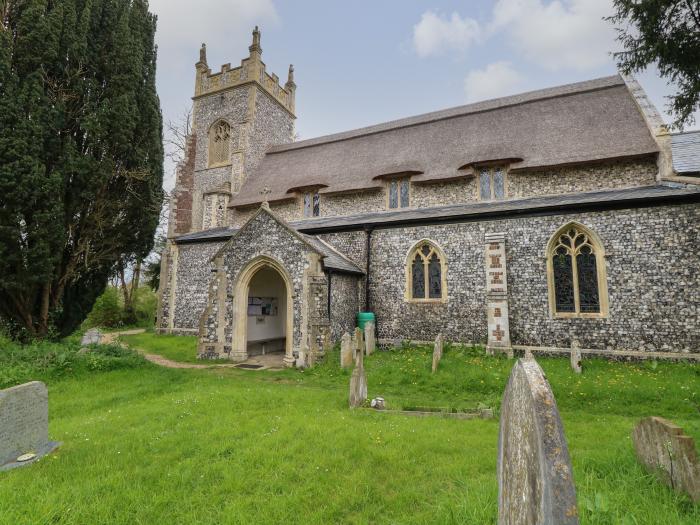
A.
pixel 159 359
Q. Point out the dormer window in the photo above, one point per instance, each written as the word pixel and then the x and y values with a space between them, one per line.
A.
pixel 492 183
pixel 312 204
pixel 399 191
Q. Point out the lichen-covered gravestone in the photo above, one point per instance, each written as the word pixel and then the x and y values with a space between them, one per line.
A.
pixel 358 382
pixel 535 479
pixel 358 343
pixel 437 352
pixel 662 447
pixel 346 351
pixel 24 425
pixel 370 339
pixel 575 356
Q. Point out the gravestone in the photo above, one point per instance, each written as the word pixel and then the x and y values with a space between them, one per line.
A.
pixel 358 344
pixel 346 351
pixel 535 479
pixel 575 356
pixel 662 447
pixel 437 352
pixel 370 340
pixel 24 425
pixel 358 382
pixel 91 337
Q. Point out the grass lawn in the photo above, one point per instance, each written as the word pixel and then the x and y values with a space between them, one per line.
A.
pixel 181 348
pixel 149 445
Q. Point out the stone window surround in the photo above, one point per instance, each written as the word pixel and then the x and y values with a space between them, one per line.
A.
pixel 227 161
pixel 600 269
pixel 315 197
pixel 408 263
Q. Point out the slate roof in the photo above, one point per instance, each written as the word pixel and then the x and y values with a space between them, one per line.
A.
pixel 685 148
pixel 583 122
pixel 630 198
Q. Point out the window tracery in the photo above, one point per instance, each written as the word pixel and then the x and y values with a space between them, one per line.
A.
pixel 426 273
pixel 219 143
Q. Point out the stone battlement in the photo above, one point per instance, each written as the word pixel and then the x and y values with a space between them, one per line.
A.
pixel 252 69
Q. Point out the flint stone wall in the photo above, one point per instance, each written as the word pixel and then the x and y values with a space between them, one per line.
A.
pixel 271 125
pixel 192 282
pixel 344 304
pixel 654 300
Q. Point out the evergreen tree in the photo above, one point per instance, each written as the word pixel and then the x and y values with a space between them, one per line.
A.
pixel 80 153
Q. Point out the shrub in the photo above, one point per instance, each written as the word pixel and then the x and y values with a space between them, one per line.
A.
pixel 107 312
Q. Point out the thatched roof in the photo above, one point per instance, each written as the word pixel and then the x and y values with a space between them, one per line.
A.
pixel 584 122
pixel 685 149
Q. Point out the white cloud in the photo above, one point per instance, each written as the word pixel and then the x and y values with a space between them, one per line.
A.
pixel 495 80
pixel 560 34
pixel 434 34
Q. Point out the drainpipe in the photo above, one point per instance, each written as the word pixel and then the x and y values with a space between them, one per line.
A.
pixel 368 250
pixel 329 294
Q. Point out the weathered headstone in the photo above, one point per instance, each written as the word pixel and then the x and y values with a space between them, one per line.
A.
pixel 91 337
pixel 24 425
pixel 358 344
pixel 346 350
pixel 437 352
pixel 575 356
pixel 302 360
pixel 370 339
pixel 662 447
pixel 535 479
pixel 358 383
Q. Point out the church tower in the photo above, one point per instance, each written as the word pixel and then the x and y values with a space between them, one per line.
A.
pixel 237 114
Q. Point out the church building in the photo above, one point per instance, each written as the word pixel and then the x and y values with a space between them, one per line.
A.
pixel 523 222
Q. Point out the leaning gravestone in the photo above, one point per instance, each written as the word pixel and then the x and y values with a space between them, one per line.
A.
pixel 662 447
pixel 358 382
pixel 346 350
pixel 535 479
pixel 91 337
pixel 437 352
pixel 370 339
pixel 24 425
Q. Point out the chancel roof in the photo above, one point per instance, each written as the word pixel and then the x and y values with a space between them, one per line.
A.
pixel 685 149
pixel 588 121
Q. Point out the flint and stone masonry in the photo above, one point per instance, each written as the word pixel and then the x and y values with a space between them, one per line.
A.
pixel 598 164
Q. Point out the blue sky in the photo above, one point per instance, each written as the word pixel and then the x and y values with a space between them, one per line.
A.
pixel 364 62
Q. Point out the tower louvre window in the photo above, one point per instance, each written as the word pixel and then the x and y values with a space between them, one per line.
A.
pixel 219 143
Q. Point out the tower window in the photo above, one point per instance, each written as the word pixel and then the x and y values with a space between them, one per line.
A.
pixel 312 204
pixel 399 193
pixel 219 143
pixel 492 183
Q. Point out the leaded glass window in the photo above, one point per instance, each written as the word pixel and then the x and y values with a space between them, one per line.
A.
pixel 426 273
pixel 492 183
pixel 574 257
pixel 399 193
pixel 312 204
pixel 219 143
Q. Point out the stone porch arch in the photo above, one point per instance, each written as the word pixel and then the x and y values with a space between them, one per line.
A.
pixel 241 289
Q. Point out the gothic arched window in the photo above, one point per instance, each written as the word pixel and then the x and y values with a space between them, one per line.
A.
pixel 425 273
pixel 219 143
pixel 576 273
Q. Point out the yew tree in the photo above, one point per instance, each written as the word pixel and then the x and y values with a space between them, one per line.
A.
pixel 80 154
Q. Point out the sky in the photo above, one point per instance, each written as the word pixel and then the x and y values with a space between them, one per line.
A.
pixel 363 62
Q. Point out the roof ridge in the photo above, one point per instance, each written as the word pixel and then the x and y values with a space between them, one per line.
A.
pixel 458 111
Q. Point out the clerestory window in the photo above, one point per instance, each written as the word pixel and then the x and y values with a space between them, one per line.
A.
pixel 576 273
pixel 425 273
pixel 399 193
pixel 312 204
pixel 492 183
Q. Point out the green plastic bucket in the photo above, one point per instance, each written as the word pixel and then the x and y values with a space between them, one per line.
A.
pixel 363 318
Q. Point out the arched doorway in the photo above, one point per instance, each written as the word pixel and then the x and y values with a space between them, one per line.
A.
pixel 263 311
